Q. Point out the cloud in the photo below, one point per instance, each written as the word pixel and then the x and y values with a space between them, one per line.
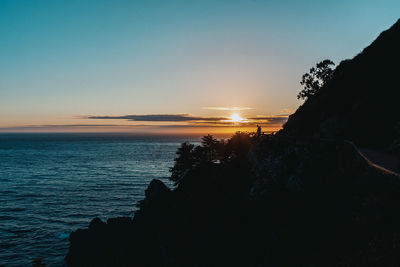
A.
pixel 228 108
pixel 159 118
pixel 195 120
pixel 165 121
pixel 271 119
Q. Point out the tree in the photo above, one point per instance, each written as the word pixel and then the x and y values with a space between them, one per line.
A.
pixel 184 162
pixel 315 79
pixel 211 151
pixel 210 145
pixel 238 145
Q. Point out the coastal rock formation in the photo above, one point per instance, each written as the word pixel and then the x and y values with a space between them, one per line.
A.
pixel 314 203
pixel 305 196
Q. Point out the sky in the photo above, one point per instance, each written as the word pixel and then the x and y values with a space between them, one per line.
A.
pixel 170 66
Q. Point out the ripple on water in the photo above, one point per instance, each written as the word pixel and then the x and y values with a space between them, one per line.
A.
pixel 54 184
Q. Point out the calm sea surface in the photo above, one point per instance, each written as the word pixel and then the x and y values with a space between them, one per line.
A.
pixel 52 184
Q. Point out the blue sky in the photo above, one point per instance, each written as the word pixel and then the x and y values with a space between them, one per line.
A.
pixel 62 61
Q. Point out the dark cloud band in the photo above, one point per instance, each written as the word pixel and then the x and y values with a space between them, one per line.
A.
pixel 159 118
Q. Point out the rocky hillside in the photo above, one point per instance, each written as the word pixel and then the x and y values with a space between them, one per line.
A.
pixel 302 197
pixel 293 203
pixel 361 102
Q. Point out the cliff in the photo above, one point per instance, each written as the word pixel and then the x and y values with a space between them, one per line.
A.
pixel 361 102
pixel 305 196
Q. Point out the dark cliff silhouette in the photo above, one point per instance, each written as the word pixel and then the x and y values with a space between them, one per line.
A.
pixel 305 196
pixel 361 101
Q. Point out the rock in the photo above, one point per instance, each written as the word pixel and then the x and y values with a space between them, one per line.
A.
pixel 156 189
pixel 97 224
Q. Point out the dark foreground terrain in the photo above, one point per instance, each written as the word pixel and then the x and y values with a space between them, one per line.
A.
pixel 305 196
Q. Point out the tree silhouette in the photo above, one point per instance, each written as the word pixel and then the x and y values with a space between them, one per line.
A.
pixel 211 147
pixel 184 162
pixel 316 78
pixel 238 145
pixel 211 151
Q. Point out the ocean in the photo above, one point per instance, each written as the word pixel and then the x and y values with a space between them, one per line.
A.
pixel 52 184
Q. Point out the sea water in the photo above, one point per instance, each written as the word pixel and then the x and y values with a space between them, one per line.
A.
pixel 52 184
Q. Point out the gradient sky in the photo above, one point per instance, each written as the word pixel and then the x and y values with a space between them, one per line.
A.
pixel 63 62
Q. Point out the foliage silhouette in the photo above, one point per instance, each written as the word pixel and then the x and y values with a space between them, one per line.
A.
pixel 212 151
pixel 183 163
pixel 211 147
pixel 316 78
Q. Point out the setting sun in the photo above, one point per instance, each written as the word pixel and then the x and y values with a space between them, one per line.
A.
pixel 235 117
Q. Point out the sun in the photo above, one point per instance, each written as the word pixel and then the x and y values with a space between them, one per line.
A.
pixel 236 118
